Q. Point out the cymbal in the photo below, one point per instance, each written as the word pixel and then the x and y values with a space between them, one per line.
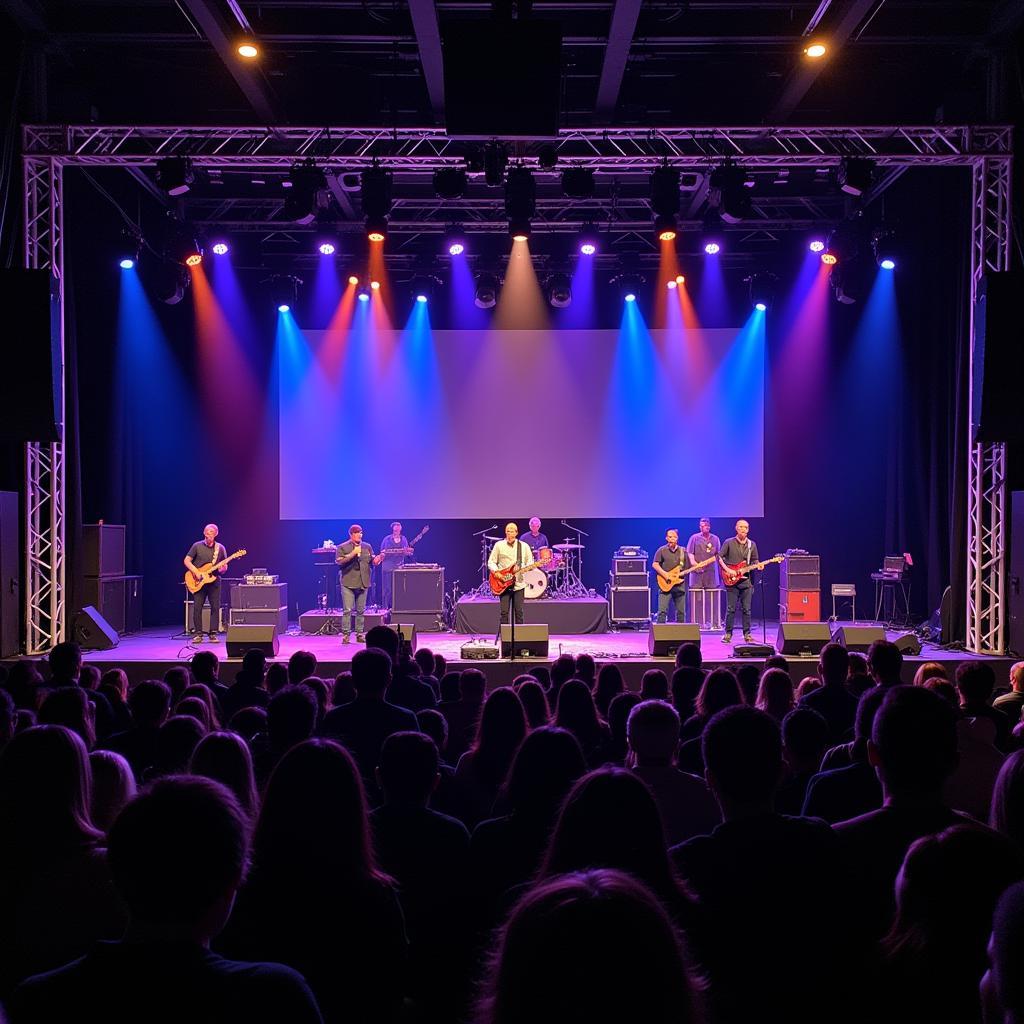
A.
pixel 491 538
pixel 567 547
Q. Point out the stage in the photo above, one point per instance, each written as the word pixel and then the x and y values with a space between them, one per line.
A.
pixel 150 653
pixel 564 616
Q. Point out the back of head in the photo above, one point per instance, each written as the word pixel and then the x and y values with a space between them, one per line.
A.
pixel 65 660
pixel 776 661
pixel 543 675
pixel 23 682
pixel 113 785
pixel 775 693
pixel 575 709
pixel 371 672
pixel 975 680
pixel 149 703
pixel 225 758
pixel 1007 814
pixel 195 708
pixel 472 685
pixel 654 685
pixel 885 660
pixel 291 717
pixel 929 670
pixel 205 666
pixel 546 764
pixel 609 681
pixel 408 767
pixel 535 703
pixel 618 714
pixel 742 754
pixel 177 678
pixel 834 664
pixel 433 724
pixel 685 685
pixel 248 722
pixel 175 742
pixel 653 731
pixel 748 675
pixel 70 706
pixel 858 664
pixel 321 693
pixel 565 934
pixel 1006 950
pixel 276 677
pixel 89 677
pixel 720 690
pixel 562 670
pixel 179 850
pixel 344 691
pixel 501 729
pixel 300 665
pixel 914 739
pixel 450 687
pixel 689 656
pixel 254 665
pixel 805 735
pixel 8 717
pixel 383 638
pixel 424 657
pixel 585 668
pixel 867 707
pixel 115 680
pixel 946 690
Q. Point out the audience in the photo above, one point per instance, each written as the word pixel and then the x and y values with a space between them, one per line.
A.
pixel 608 686
pixel 654 685
pixel 618 717
pixel 775 694
pixel 859 678
pixel 1011 704
pixel 576 712
pixel 301 665
pixel 149 703
pixel 276 677
pixel 929 670
pixel 114 686
pixel 1002 986
pixel 586 669
pixel 804 739
pixel 885 662
pixel 291 718
pixel 175 741
pixel 249 690
pixel 832 700
pixel 1007 812
pixel 113 785
pixel 205 667
pixel 225 758
pixel 463 715
pixel 65 661
pixel 685 685
pixel 70 706
pixel 535 703
pixel 975 681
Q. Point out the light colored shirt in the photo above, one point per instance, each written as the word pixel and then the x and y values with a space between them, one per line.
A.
pixel 504 554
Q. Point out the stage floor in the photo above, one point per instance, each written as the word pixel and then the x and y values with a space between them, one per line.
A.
pixel 150 653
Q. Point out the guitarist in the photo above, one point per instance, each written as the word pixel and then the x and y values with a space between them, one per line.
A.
pixel 739 549
pixel 207 551
pixel 394 547
pixel 507 552
pixel 668 557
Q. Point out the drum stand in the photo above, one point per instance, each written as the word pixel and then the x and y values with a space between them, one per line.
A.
pixel 484 590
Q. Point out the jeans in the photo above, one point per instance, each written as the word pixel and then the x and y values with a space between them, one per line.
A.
pixel 211 593
pixel 677 595
pixel 352 598
pixel 514 598
pixel 388 583
pixel 743 592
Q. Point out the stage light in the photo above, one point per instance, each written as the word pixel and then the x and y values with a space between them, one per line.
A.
pixel 578 183
pixel 283 308
pixel 174 174
pixel 815 50
pixel 712 237
pixel 762 287
pixel 364 296
pixel 830 259
pixel 883 244
pixel 559 290
pixel 171 281
pixel 127 263
pixel 375 193
pixel 888 264
pixel 664 186
pixel 730 193
pixel 628 285
pixel 680 279
pixel 494 160
pixel 712 248
pixel 375 285
pixel 760 306
pixel 454 240
pixel 376 229
pixel 353 280
pixel 817 245
pixel 520 201
pixel 248 49
pixel 423 287
pixel 587 248
pixel 283 290
pixel 672 284
pixel 665 227
pixel 486 291
pixel 456 249
pixel 219 248
pixel 193 259
pixel 630 296
pixel 855 175
pixel 308 193
pixel 326 248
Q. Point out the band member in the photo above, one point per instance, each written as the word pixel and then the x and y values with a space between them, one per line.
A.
pixel 668 557
pixel 535 540
pixel 510 551
pixel 356 559
pixel 739 549
pixel 700 547
pixel 394 548
pixel 205 552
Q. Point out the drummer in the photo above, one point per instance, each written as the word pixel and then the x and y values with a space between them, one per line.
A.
pixel 534 539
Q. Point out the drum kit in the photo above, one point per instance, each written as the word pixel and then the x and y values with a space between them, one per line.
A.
pixel 559 577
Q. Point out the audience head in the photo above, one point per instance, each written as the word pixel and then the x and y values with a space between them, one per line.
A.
pixel 177 679
pixel 205 667
pixel 653 733
pixel 719 691
pixel 689 656
pixel 562 670
pixel 115 682
pixel 775 694
pixel 197 709
pixel 804 739
pixel 409 768
pixel 276 677
pixel 65 661
pixel 254 666
pixel 384 638
pixel 149 703
pixel 975 680
pixel 89 677
pixel 885 660
pixel 833 664
pixel 433 724
pixel 535 703
pixel 371 673
pixel 291 717
pixel 609 683
pixel 776 661
pixel 654 685
pixel 565 934
pixel 23 683
pixel 913 743
pixel 748 675
pixel 178 853
pixel 175 741
pixel 929 670
pixel 8 718
pixel 70 706
pixel 450 687
pixel 225 758
pixel 742 757
pixel 317 686
pixel 543 676
pixel 1007 815
pixel 545 766
pixel 501 729
pixel 867 707
pixel 113 785
pixel 1017 677
pixel 344 691
pixel 424 657
pixel 686 683
pixel 300 665
pixel 945 689
pixel 249 722
pixel 618 716
pixel 202 692
pixel 440 666
pixel 858 664
pixel 585 668
pixel 472 685
pixel 1003 985
pixel 807 685
pixel 576 712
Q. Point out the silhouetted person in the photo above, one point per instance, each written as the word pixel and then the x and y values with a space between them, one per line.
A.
pixel 225 758
pixel 1011 704
pixel 114 686
pixel 149 703
pixel 885 662
pixel 975 681
pixel 178 854
pixel 249 689
pixel 24 682
pixel 276 677
pixel 70 706
pixel 8 718
pixel 175 741
pixel 608 686
pixel 832 700
pixel 113 785
pixel 1002 986
pixel 685 685
pixel 65 661
pixel 775 694
pixel 463 715
pixel 585 668
pixel 178 677
pixel 205 668
pixel 291 718
pixel 576 712
pixel 535 703
pixel 618 716
pixel 804 737
pixel 300 665
pixel 721 690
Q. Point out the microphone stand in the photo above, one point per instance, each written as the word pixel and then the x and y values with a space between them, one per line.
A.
pixel 764 627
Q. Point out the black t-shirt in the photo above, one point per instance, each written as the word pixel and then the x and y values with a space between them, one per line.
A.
pixel 669 559
pixel 202 554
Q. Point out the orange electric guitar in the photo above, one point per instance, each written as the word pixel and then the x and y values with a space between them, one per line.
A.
pixel 675 576
pixel 505 578
pixel 735 571
pixel 206 573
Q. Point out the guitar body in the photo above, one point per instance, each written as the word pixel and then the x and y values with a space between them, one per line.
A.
pixel 675 576
pixel 208 573
pixel 736 571
pixel 504 578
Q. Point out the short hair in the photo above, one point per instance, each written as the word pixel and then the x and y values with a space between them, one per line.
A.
pixel 276 677
pixel 834 661
pixel 371 671
pixel 177 678
pixel 1007 813
pixel 742 750
pixel 408 766
pixel 449 686
pixel 70 706
pixel 653 730
pixel 867 707
pixel 254 662
pixel 975 680
pixel 704 519
pixel 776 661
pixel 300 665
pixel 205 665
pixel 885 660
pixel 929 670
pixel 396 523
pixel 433 724
pixel 424 657
pixel 914 735
pixel 65 659
pixel 654 685
pixel 689 656
pixel 89 677
pixel 472 684
pixel 248 722
pixel 671 529
pixel 211 526
pixel 177 849
pixel 149 702
pixel 291 716
pixel 354 529
pixel 343 691
pixel 534 519
pixel 384 638
pixel 805 733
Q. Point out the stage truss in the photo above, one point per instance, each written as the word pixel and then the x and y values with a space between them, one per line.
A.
pixel 986 150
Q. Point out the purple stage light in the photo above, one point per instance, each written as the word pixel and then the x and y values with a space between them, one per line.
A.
pixel 456 249
pixel 326 248
pixel 220 248
pixel 588 249
pixel 712 248
pixel 817 245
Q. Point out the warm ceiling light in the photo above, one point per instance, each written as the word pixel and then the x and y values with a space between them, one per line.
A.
pixel 680 279
pixel 249 50
pixel 193 259
pixel 667 235
pixel 829 259
pixel 376 236
pixel 816 50
pixel 375 285
pixel 353 280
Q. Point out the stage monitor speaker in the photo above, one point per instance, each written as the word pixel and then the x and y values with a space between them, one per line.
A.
pixel 802 638
pixel 247 638
pixel 10 575
pixel 31 398
pixel 909 644
pixel 531 640
pixel 92 632
pixel 485 96
pixel 998 359
pixel 407 635
pixel 665 638
pixel 858 638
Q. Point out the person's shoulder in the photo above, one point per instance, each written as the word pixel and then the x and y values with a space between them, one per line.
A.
pixel 863 825
pixel 265 991
pixel 337 717
pixel 449 825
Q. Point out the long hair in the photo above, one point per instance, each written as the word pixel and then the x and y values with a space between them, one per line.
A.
pixel 609 684
pixel 225 757
pixel 205 694
pixel 501 729
pixel 576 712
pixel 719 691
pixel 775 694
pixel 546 765
pixel 535 703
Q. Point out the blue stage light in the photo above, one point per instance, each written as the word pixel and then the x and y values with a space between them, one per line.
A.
pixel 885 264
pixel 421 298
pixel 127 263
pixel 283 308
pixel 760 307
pixel 629 297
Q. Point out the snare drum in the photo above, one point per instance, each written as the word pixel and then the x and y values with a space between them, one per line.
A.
pixel 554 560
pixel 536 580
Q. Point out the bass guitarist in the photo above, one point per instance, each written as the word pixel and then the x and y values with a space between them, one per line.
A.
pixel 735 550
pixel 205 552
pixel 668 557
pixel 505 553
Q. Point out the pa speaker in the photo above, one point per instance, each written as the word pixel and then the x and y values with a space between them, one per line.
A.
pixel 246 638
pixel 998 358
pixel 531 640
pixel 858 638
pixel 406 635
pixel 908 644
pixel 92 632
pixel 806 638
pixel 665 638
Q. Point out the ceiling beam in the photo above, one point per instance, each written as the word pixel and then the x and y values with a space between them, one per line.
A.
pixel 248 77
pixel 845 17
pixel 613 68
pixel 27 15
pixel 343 199
pixel 428 39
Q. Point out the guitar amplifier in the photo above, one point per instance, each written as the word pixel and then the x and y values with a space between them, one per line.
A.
pixel 800 572
pixel 799 606
pixel 118 599
pixel 417 589
pixel 630 604
pixel 629 565
pixel 273 596
pixel 260 617
pixel 628 579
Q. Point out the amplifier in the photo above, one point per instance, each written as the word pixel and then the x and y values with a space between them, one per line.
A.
pixel 260 617
pixel 221 623
pixel 103 549
pixel 628 579
pixel 630 604
pixel 118 599
pixel 799 606
pixel 531 640
pixel 417 589
pixel 252 580
pixel 798 565
pixel 844 589
pixel 800 581
pixel 478 650
pixel 631 551
pixel 629 565
pixel 270 595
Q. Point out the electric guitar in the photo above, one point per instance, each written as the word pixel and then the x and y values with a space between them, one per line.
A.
pixel 735 571
pixel 412 544
pixel 675 576
pixel 206 573
pixel 505 578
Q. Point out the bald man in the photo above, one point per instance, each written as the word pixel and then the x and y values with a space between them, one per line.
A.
pixel 505 553
pixel 203 553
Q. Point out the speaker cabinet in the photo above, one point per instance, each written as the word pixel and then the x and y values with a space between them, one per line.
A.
pixel 407 635
pixel 665 638
pixel 260 595
pixel 630 604
pixel 531 640
pixel 998 358
pixel 92 632
pixel 799 606
pixel 417 590
pixel 858 638
pixel 802 638
pixel 246 638
pixel 206 619
pixel 909 645
pixel 103 549
pixel 259 617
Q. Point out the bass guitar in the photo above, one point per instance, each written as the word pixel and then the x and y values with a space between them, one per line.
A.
pixel 675 576
pixel 206 573
pixel 734 572
pixel 505 578
pixel 408 550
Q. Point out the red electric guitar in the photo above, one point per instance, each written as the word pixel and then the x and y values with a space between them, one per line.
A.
pixel 505 578
pixel 735 571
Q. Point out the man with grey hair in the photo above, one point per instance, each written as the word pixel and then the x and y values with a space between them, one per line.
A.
pixel 534 539
pixel 204 553
pixel 687 807
pixel 1012 703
